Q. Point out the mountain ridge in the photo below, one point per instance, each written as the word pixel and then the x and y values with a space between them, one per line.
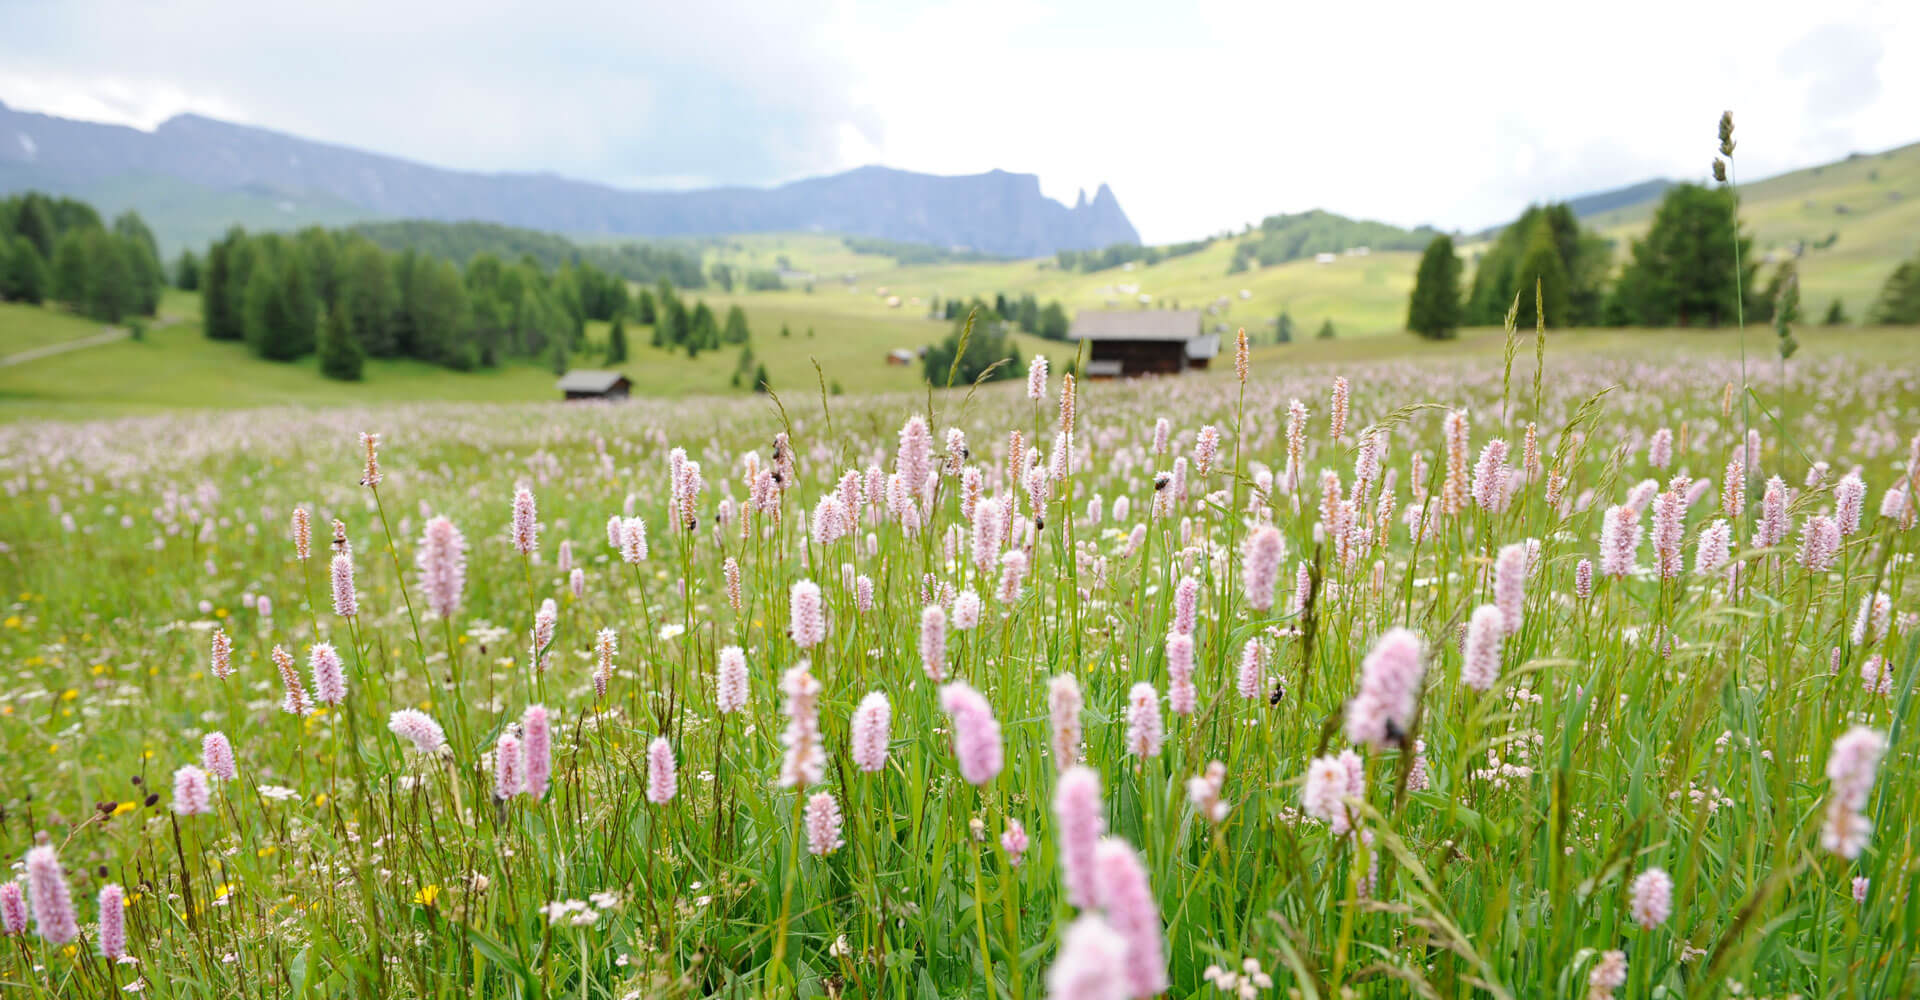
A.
pixel 997 212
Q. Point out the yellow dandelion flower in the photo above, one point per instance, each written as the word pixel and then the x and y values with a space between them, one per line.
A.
pixel 426 895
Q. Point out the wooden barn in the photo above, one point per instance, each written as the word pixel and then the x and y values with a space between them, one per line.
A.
pixel 1127 342
pixel 585 384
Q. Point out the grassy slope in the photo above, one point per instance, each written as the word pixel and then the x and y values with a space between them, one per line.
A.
pixel 24 327
pixel 1872 201
pixel 177 367
pixel 1362 295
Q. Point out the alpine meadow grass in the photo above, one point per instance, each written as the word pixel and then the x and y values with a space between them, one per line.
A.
pixel 1386 680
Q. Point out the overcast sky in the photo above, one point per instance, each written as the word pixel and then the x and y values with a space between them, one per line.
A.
pixel 1201 114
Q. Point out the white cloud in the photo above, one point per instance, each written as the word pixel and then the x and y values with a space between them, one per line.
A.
pixel 1202 116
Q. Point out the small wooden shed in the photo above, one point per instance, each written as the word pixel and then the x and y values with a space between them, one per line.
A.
pixel 1125 342
pixel 584 384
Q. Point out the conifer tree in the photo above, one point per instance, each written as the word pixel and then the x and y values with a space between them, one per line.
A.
pixel 1541 267
pixel 1434 311
pixel 617 341
pixel 341 357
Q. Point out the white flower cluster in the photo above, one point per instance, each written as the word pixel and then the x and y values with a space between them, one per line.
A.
pixel 1246 984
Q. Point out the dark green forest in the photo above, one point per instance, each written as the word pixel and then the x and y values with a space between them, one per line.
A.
pixel 279 293
pixel 460 242
pixel 60 250
pixel 1281 238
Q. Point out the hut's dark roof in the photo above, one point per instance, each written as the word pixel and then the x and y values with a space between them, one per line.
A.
pixel 1135 324
pixel 589 381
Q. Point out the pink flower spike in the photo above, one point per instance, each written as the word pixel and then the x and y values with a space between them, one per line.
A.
pixel 53 914
pixel 346 602
pixel 1250 680
pixel 1128 900
pixel 661 771
pixel 442 563
pixel 806 760
pixel 1064 705
pixel 13 909
pixel 216 756
pixel 933 643
pixel 525 527
pixel 1145 731
pixel 1390 679
pixel 730 687
pixel 329 677
pixel 976 733
pixel 220 664
pixel 1186 605
pixel 823 824
pixel 192 795
pixel 1079 822
pixel 1088 966
pixel 808 621
pixel 1652 893
pixel 419 729
pixel 509 767
pixel 1182 697
pixel 113 922
pixel 1480 661
pixel 1014 841
pixel 537 743
pixel 872 731
pixel 1510 586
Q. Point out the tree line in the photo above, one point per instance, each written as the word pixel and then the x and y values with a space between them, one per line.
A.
pixel 344 296
pixel 914 254
pixel 1281 238
pixel 983 352
pixel 1693 268
pixel 1048 322
pixel 60 250
pixel 1087 261
pixel 460 242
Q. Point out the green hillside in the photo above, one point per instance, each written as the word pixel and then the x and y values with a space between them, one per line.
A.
pixel 1855 220
pixel 1361 294
pixel 183 215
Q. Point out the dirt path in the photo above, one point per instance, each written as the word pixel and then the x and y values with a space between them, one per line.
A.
pixel 106 336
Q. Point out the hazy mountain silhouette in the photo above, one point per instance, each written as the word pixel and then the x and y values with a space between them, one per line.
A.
pixel 196 166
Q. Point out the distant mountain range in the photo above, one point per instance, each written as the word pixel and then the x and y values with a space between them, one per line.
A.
pixel 193 176
pixel 1606 201
pixel 1587 206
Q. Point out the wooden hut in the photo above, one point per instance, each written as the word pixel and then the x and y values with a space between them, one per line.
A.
pixel 1126 342
pixel 584 384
